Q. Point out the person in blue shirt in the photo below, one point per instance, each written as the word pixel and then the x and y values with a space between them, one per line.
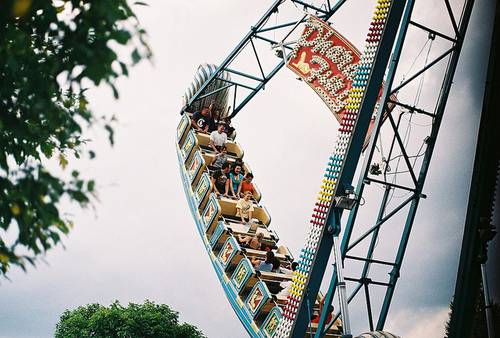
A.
pixel 235 179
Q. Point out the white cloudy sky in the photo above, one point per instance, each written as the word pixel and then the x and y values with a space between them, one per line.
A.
pixel 141 243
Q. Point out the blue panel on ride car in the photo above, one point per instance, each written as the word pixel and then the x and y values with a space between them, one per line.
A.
pixel 211 213
pixel 182 127
pixel 228 251
pixel 271 323
pixel 188 145
pixel 241 274
pixel 202 189
pixel 195 166
pixel 219 229
pixel 257 298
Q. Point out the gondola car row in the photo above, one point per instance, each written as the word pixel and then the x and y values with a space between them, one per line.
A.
pixel 254 295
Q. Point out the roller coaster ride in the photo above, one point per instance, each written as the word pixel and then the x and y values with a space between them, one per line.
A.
pixel 350 84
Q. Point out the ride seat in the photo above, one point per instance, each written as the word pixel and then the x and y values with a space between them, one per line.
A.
pixel 233 148
pixel 228 207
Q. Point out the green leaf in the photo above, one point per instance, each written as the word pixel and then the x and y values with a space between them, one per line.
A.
pixel 115 91
pixel 63 162
pixel 47 149
pixel 111 134
pixel 136 57
pixel 122 37
pixel 124 68
pixel 80 197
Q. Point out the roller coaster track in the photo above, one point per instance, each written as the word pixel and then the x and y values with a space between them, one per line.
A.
pixel 250 292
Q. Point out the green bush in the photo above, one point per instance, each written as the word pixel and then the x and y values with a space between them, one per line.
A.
pixel 146 320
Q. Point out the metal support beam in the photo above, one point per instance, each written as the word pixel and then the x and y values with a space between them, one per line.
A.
pixel 420 72
pixel 391 185
pixel 256 32
pixel 237 50
pixel 415 197
pixel 350 163
pixel 432 31
pixel 307 5
pixel 403 150
pixel 452 17
pixel 440 107
pixel 363 259
pixel 412 108
pixel 379 223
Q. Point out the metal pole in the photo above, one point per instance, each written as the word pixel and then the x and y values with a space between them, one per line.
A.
pixel 487 303
pixel 346 325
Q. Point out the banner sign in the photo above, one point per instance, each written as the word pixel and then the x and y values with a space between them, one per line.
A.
pixel 327 62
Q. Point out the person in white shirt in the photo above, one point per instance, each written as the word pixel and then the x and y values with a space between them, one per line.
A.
pixel 244 208
pixel 287 284
pixel 218 138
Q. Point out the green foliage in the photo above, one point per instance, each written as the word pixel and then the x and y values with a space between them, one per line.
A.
pixel 137 320
pixel 51 50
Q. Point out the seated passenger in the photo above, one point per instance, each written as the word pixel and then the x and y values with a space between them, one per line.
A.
pixel 317 315
pixel 265 266
pixel 219 159
pixel 244 208
pixel 219 179
pixel 252 242
pixel 276 264
pixel 239 162
pixel 289 271
pixel 247 185
pixel 268 247
pixel 228 129
pixel 203 121
pixel 287 285
pixel 234 181
pixel 218 138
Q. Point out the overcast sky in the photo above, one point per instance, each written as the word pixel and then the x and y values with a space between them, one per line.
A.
pixel 141 243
